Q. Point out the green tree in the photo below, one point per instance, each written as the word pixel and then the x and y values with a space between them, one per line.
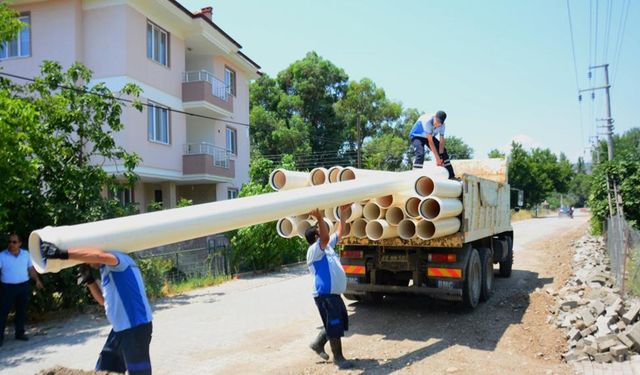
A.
pixel 54 133
pixel 457 148
pixel 365 109
pixel 385 152
pixel 495 153
pixel 10 24
pixel 259 247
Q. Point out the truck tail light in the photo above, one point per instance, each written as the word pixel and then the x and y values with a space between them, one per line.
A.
pixel 351 254
pixel 442 258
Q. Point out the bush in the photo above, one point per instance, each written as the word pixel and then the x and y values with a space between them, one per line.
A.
pixel 153 272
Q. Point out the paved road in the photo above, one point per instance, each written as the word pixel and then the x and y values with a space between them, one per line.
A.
pixel 257 325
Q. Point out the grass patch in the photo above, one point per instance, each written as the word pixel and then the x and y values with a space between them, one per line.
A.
pixel 521 215
pixel 170 289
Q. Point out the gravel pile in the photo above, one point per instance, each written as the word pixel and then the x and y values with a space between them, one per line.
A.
pixel 599 325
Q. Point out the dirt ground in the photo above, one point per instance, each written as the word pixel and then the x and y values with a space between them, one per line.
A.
pixel 507 334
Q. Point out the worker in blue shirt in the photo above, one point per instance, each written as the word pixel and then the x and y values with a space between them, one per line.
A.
pixel 123 296
pixel 330 282
pixel 424 133
pixel 15 270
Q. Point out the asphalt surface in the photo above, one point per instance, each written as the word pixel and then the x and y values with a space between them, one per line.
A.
pixel 255 325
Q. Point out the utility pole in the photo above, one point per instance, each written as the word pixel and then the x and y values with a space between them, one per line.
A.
pixel 609 128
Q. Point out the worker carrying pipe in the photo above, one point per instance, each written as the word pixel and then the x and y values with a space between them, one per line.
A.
pixel 423 133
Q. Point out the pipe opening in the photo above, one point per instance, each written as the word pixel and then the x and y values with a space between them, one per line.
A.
pixel 425 229
pixel 385 201
pixel 318 176
pixel 346 175
pixel 358 228
pixel 304 225
pixel 374 230
pixel 346 230
pixel 412 207
pixel 334 173
pixel 429 208
pixel 424 186
pixel 278 179
pixel 407 229
pixel 285 227
pixel 371 211
pixel 394 215
pixel 347 213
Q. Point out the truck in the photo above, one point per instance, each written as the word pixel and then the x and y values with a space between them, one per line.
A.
pixel 458 267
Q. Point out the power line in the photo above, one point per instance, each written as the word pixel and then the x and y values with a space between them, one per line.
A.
pixel 77 89
pixel 573 48
pixel 619 42
pixel 607 30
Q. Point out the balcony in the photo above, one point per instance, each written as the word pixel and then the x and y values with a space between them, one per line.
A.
pixel 200 89
pixel 207 159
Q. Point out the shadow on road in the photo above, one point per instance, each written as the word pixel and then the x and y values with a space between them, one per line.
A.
pixel 440 324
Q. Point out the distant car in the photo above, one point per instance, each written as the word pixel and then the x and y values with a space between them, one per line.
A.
pixel 566 212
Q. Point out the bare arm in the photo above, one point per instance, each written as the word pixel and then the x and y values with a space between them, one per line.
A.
pixel 441 143
pixel 34 276
pixel 96 292
pixel 432 147
pixel 91 255
pixel 323 233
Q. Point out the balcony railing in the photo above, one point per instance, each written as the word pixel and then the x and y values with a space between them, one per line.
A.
pixel 218 88
pixel 220 154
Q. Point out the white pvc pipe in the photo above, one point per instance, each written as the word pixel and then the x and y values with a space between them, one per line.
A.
pixel 412 207
pixel 287 227
pixel 331 213
pixel 303 225
pixel 331 227
pixel 385 201
pixel 318 176
pixel 434 208
pixel 346 231
pixel 380 229
pixel 394 215
pixel 333 173
pixel 358 228
pixel 373 211
pixel 351 173
pixel 282 179
pixel 407 229
pixel 427 229
pixel 428 186
pixel 138 232
pixel 352 213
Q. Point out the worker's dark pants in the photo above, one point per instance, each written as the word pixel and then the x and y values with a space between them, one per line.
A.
pixel 10 295
pixel 333 313
pixel 419 145
pixel 127 350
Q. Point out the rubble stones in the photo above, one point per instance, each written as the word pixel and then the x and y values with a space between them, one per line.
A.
pixel 600 325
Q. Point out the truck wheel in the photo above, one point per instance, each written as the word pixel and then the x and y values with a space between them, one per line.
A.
pixel 473 281
pixel 507 264
pixel 353 297
pixel 486 261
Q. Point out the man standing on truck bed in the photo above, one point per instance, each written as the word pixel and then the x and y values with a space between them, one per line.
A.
pixel 423 133
pixel 330 282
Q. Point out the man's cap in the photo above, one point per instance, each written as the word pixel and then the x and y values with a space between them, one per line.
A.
pixel 440 115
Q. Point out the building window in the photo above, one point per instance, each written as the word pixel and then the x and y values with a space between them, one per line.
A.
pixel 157 44
pixel 232 193
pixel 232 141
pixel 20 46
pixel 230 80
pixel 122 194
pixel 158 120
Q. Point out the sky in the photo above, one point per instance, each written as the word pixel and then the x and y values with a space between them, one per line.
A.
pixel 503 70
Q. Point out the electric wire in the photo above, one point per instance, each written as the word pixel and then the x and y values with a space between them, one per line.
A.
pixel 619 42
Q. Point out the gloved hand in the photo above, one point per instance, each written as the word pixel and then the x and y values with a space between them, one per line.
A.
pixel 51 251
pixel 85 277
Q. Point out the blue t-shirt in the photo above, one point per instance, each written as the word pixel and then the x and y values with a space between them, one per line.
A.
pixel 424 126
pixel 125 301
pixel 325 266
pixel 14 269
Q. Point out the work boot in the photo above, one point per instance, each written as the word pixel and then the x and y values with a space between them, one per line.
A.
pixel 338 358
pixel 318 345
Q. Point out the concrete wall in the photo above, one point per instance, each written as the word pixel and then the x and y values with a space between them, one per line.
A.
pixel 198 193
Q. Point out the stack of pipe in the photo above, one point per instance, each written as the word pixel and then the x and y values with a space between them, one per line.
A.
pixel 426 204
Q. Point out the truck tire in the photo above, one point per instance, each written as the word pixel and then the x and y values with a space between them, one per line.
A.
pixel 486 261
pixel 473 281
pixel 507 263
pixel 352 297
